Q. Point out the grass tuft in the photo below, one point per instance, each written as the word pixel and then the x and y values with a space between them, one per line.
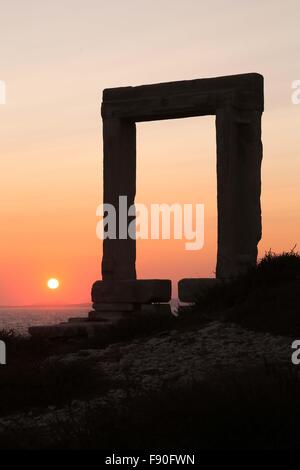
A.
pixel 265 298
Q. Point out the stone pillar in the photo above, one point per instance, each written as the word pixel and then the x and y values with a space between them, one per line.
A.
pixel 119 179
pixel 239 155
pixel 119 292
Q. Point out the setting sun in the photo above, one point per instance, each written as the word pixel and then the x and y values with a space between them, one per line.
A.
pixel 53 283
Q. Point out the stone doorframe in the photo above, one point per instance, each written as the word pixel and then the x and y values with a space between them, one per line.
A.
pixel 237 101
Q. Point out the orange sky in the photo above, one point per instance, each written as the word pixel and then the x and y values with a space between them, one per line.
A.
pixel 57 57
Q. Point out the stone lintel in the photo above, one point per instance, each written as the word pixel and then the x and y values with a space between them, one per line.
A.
pixel 137 291
pixel 184 98
pixel 190 290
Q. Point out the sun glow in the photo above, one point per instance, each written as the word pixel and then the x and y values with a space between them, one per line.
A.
pixel 53 283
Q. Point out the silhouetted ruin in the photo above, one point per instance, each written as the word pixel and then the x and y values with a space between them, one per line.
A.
pixel 237 102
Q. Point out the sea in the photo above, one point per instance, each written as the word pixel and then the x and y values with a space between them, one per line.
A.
pixel 20 319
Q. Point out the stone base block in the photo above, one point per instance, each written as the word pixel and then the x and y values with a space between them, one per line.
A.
pixel 134 291
pixel 78 320
pixel 73 329
pixel 64 330
pixel 103 315
pixel 97 323
pixel 99 315
pixel 161 309
pixel 112 307
pixel 190 290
